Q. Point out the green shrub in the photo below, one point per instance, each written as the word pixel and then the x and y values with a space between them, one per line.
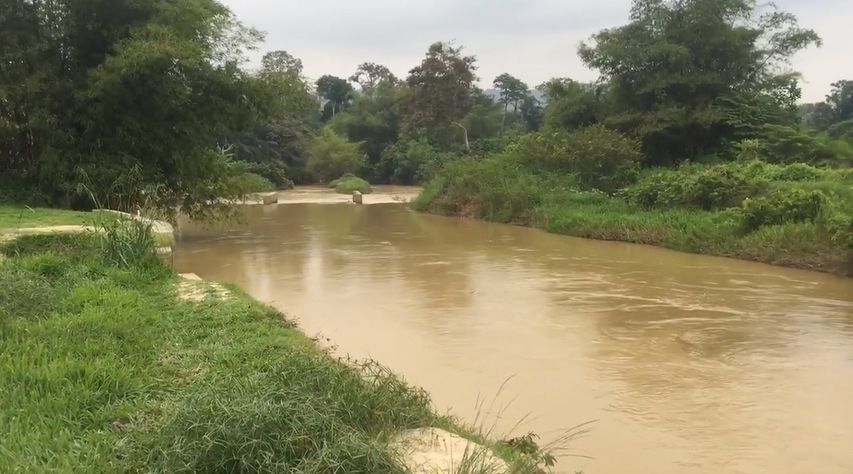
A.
pixel 841 228
pixel 786 145
pixel 496 189
pixel 707 188
pixel 14 192
pixel 492 146
pixel 781 207
pixel 412 161
pixel 252 183
pixel 345 176
pixel 331 155
pixel 270 171
pixel 795 172
pixel 841 130
pixel 349 183
pixel 600 158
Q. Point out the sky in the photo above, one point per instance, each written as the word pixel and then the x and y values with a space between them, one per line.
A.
pixel 533 40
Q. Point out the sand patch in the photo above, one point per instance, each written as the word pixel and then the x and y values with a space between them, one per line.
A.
pixel 193 288
pixel 436 451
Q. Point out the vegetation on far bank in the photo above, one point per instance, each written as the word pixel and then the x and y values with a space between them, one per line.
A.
pixel 107 369
pixel 739 209
pixel 685 110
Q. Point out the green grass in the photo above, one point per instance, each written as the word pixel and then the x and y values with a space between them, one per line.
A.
pixel 498 190
pixel 14 217
pixel 104 369
pixel 348 183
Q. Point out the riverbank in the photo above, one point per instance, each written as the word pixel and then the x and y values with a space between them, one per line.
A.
pixel 20 221
pixel 119 365
pixel 779 231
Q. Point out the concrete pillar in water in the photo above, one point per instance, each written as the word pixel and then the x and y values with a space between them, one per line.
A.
pixel 356 197
pixel 270 198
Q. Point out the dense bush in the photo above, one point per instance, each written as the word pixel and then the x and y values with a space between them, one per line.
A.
pixel 712 188
pixel 331 155
pixel 841 130
pixel 269 171
pixel 781 207
pixel 412 161
pixel 252 183
pixel 600 158
pixel 786 145
pixel 495 189
pixel 348 183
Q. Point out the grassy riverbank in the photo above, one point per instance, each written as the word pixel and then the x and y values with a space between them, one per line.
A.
pixel 108 367
pixel 15 217
pixel 796 216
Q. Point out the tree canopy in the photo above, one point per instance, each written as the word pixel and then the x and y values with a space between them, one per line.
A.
pixel 91 90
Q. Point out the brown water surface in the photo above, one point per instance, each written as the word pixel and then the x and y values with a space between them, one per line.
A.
pixel 690 364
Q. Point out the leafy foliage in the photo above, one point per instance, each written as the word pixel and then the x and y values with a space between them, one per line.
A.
pixel 331 156
pixel 599 158
pixel 95 89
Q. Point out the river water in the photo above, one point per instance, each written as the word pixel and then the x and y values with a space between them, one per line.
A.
pixel 689 364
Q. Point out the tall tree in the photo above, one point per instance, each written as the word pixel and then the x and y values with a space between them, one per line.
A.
pixel 373 121
pixel 439 92
pixel 572 104
pixel 92 90
pixel 281 61
pixel 278 144
pixel 840 100
pixel 532 113
pixel 512 91
pixel 369 75
pixel 671 65
pixel 335 90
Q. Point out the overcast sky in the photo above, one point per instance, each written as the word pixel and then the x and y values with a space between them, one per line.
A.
pixel 533 40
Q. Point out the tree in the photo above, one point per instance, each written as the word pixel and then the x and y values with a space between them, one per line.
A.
pixel 512 90
pixel 282 62
pixel 335 90
pixel 369 75
pixel 668 69
pixel 532 113
pixel 572 104
pixel 840 101
pixel 278 144
pixel 374 121
pixel 95 91
pixel 439 92
pixel 330 156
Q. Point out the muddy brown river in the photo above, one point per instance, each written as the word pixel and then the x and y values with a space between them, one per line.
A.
pixel 689 364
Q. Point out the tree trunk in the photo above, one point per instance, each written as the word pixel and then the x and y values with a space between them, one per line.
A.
pixel 464 135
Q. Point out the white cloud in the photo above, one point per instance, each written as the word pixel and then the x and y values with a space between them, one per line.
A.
pixel 531 39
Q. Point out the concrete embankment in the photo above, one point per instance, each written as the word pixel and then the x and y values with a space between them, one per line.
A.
pixel 381 194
